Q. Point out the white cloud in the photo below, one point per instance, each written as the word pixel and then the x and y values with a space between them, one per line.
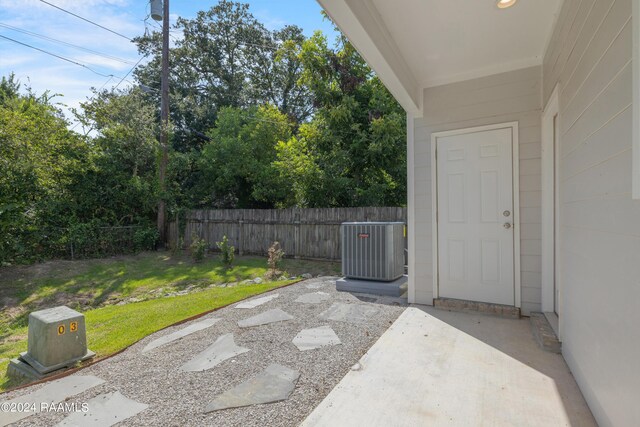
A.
pixel 9 61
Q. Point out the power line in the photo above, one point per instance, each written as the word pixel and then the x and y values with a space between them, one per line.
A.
pixel 57 56
pixel 114 88
pixel 129 72
pixel 153 23
pixel 51 39
pixel 87 20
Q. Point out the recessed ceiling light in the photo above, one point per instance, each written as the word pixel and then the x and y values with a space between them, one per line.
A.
pixel 503 4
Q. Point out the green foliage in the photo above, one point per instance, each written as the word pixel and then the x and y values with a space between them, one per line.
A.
pixel 226 58
pixel 198 248
pixel 39 159
pixel 145 238
pixel 260 118
pixel 121 179
pixel 236 167
pixel 227 252
pixel 353 151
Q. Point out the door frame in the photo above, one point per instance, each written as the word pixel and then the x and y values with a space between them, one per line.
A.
pixel 515 160
pixel 550 205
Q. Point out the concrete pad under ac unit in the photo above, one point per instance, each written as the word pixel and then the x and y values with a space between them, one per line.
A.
pixel 394 288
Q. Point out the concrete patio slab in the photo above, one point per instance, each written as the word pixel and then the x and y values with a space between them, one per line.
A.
pixel 104 411
pixel 271 316
pixel 313 298
pixel 195 327
pixel 256 302
pixel 53 392
pixel 310 339
pixel 439 368
pixel 351 313
pixel 272 385
pixel 224 348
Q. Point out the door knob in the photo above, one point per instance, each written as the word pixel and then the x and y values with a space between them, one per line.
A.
pixel 507 225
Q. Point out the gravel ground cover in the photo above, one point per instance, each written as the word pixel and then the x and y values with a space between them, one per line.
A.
pixel 178 398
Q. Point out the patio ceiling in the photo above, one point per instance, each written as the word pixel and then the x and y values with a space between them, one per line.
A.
pixel 414 44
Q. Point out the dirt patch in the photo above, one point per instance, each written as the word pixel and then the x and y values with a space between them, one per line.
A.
pixel 16 338
pixel 8 302
pixel 315 268
pixel 10 314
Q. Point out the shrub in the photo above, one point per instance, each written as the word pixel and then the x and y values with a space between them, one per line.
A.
pixel 227 252
pixel 198 248
pixel 274 259
pixel 145 239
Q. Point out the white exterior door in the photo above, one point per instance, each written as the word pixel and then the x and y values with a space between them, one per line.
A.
pixel 475 216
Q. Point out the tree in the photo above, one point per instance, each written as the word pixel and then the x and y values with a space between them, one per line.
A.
pixel 353 151
pixel 39 157
pixel 226 58
pixel 119 186
pixel 275 74
pixel 236 168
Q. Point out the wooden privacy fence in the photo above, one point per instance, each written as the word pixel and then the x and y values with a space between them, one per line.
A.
pixel 303 233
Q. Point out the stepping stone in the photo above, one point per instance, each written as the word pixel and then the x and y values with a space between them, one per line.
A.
pixel 253 303
pixel 310 339
pixel 224 348
pixel 195 327
pixel 316 285
pixel 271 316
pixel 52 393
pixel 104 411
pixel 351 313
pixel 313 298
pixel 271 385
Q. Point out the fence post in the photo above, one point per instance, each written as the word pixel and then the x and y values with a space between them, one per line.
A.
pixel 240 238
pixel 296 232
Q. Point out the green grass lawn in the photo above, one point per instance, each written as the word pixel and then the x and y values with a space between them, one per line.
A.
pixel 95 286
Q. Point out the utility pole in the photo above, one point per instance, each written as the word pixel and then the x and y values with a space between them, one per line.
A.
pixel 164 127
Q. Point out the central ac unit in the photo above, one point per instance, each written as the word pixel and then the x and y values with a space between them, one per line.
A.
pixel 373 250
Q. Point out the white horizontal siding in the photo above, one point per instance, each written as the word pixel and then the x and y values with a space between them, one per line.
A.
pixel 506 97
pixel 590 56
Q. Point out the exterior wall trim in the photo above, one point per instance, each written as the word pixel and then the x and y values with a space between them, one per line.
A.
pixel 635 149
pixel 516 201
pixel 550 206
pixel 411 206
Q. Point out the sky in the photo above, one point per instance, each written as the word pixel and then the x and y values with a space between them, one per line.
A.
pixel 117 55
